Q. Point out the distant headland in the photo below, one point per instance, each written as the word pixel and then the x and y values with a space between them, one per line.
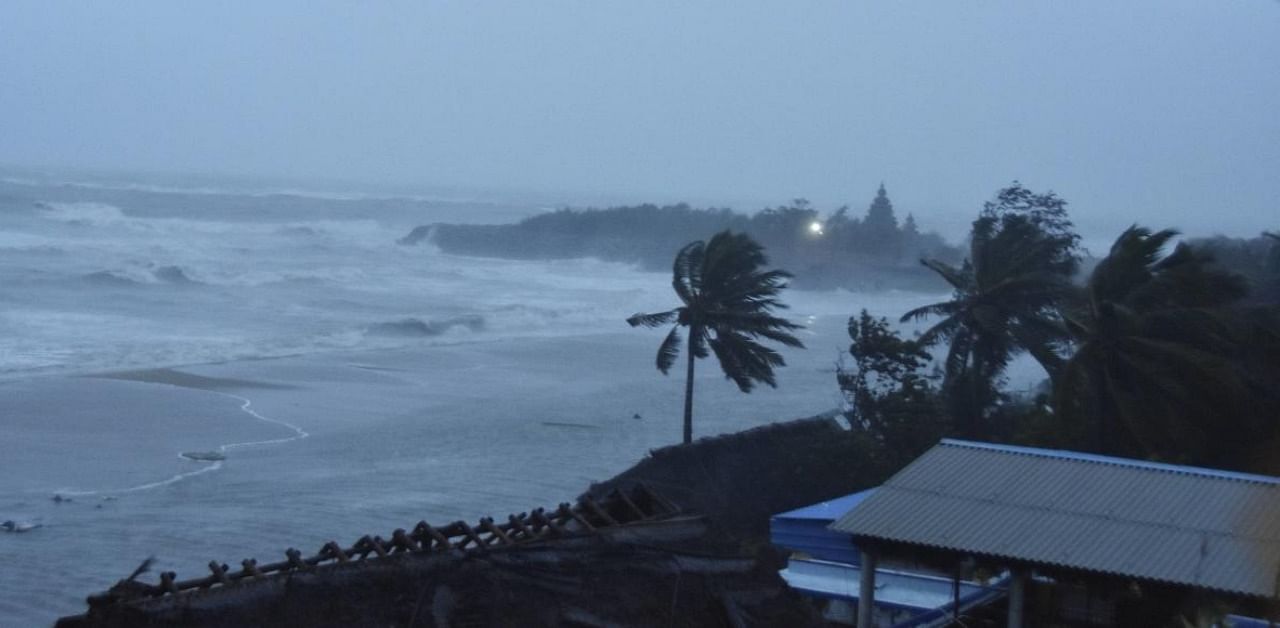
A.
pixel 876 251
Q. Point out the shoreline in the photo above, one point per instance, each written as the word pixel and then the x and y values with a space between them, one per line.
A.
pixel 171 376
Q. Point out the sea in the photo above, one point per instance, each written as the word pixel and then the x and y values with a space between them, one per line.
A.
pixel 323 381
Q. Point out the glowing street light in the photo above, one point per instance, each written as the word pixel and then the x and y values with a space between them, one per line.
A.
pixel 815 228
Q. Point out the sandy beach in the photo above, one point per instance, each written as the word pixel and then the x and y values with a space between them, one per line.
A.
pixel 393 437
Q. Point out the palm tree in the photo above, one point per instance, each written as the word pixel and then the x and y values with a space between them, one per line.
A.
pixel 727 302
pixel 1154 370
pixel 1004 302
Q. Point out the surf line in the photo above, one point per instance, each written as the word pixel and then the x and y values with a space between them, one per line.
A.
pixel 245 406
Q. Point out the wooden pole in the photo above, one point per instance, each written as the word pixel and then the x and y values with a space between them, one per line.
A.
pixel 867 591
pixel 1017 596
pixel 955 594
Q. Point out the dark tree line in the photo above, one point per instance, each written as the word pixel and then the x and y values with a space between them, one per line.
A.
pixel 1163 351
pixel 873 251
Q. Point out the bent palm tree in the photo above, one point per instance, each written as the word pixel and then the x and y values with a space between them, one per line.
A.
pixel 727 306
pixel 1004 303
pixel 1154 371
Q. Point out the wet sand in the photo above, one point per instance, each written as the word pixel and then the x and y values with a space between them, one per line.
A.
pixel 174 377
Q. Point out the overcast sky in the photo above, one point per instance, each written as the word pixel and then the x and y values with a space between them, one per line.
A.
pixel 1163 111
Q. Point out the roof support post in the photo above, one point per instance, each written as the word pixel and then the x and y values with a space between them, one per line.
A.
pixel 867 590
pixel 1017 596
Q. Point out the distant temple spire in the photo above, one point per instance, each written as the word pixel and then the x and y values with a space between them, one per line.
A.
pixel 880 214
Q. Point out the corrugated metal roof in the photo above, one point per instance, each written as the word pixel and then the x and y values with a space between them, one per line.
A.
pixel 1185 525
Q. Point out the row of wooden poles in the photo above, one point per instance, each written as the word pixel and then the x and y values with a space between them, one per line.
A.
pixel 617 508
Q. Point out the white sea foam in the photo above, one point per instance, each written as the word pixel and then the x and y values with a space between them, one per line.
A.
pixel 155 291
pixel 245 407
pixel 197 284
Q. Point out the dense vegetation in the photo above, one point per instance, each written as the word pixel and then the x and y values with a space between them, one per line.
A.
pixel 1164 353
pixel 1257 259
pixel 872 252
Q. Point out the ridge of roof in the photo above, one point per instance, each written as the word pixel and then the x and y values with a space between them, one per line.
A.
pixel 1076 456
pixel 837 507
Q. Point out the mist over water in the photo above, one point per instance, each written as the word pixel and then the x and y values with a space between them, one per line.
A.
pixel 93 285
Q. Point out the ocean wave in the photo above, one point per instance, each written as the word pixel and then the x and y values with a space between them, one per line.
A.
pixel 16 241
pixel 167 275
pixel 83 214
pixel 299 231
pixel 414 327
pixel 111 279
pixel 173 275
pixel 204 231
pixel 419 234
pixel 263 191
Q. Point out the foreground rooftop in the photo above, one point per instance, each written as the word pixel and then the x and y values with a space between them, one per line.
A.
pixel 1187 526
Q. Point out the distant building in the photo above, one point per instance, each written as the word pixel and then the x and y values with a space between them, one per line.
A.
pixel 880 218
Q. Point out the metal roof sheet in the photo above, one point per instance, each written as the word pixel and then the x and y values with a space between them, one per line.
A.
pixel 893 588
pixel 1185 525
pixel 828 510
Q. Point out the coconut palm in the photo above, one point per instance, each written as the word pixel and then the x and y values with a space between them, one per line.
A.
pixel 1154 367
pixel 1004 302
pixel 727 302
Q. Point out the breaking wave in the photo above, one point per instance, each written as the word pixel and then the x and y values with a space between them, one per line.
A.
pixel 171 275
pixel 413 327
pixel 83 214
pixel 110 279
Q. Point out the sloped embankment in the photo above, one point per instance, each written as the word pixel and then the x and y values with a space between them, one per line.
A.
pixel 737 481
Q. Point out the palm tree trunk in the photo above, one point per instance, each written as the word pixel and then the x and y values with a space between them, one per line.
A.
pixel 688 390
pixel 1107 415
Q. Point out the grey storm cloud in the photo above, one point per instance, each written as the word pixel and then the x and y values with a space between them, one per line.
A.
pixel 1160 111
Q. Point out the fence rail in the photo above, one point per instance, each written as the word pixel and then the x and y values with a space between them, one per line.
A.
pixel 618 508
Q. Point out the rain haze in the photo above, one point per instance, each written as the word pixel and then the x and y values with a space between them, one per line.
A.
pixel 280 273
pixel 1163 111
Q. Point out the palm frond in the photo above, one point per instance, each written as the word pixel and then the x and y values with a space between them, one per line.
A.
pixel 945 308
pixel 698 337
pixel 669 350
pixel 952 275
pixel 945 329
pixel 745 361
pixel 756 324
pixel 1129 264
pixel 653 320
pixel 687 271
